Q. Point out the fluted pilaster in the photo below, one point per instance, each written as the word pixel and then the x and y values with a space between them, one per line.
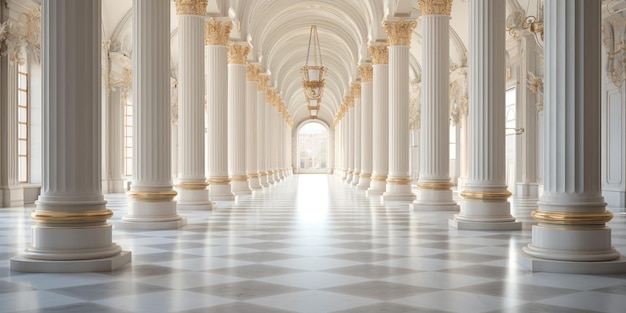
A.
pixel 71 233
pixel 571 235
pixel 216 37
pixel 192 184
pixel 380 119
pixel 434 175
pixel 355 92
pixel 350 146
pixel 485 204
pixel 237 55
pixel 399 179
pixel 262 128
pixel 366 126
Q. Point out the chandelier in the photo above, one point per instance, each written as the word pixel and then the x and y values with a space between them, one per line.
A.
pixel 532 23
pixel 313 73
pixel 314 108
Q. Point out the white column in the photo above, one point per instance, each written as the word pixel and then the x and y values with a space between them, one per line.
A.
pixel 11 193
pixel 269 126
pixel 380 119
pixel 344 140
pixel 252 166
pixel 485 205
pixel 527 188
pixel 434 193
pixel 237 55
pixel 71 233
pixel 262 128
pixel 151 196
pixel 350 137
pixel 215 40
pixel 571 235
pixel 399 179
pixel 192 184
pixel 366 126
pixel 355 92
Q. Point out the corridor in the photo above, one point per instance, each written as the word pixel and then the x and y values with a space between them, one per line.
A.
pixel 308 244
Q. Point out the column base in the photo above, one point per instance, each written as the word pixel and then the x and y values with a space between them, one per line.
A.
pixel 264 182
pixel 355 179
pixel 377 188
pixel 239 188
pixel 151 215
pixel 221 192
pixel 568 267
pixel 398 192
pixel 364 183
pixel 254 183
pixel 22 264
pixel 196 199
pixel 12 196
pixel 485 215
pixel 434 200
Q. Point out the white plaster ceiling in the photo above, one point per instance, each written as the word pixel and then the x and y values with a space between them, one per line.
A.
pixel 278 32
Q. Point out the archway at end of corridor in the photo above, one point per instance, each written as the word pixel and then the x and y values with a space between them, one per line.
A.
pixel 313 142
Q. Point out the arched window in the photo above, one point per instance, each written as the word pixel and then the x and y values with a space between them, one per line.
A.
pixel 128 136
pixel 313 148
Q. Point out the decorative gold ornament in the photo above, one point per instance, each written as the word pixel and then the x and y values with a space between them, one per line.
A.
pixel 435 7
pixel 152 195
pixel 193 185
pixel 241 178
pixel 237 54
pixel 435 185
pixel 252 72
pixel 216 32
pixel 262 82
pixel 486 195
pixel 218 181
pixel 399 181
pixel 71 217
pixel 572 218
pixel 380 54
pixel 191 7
pixel 355 90
pixel 379 178
pixel 367 73
pixel 399 32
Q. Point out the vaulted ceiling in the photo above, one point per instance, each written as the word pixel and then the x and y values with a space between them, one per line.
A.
pixel 278 31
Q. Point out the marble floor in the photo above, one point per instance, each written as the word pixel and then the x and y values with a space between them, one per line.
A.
pixel 308 244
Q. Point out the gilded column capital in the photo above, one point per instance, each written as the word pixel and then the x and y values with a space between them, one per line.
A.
pixel 191 7
pixel 262 82
pixel 269 94
pixel 399 32
pixel 349 101
pixel 435 7
pixel 216 32
pixel 380 54
pixel 367 73
pixel 355 90
pixel 252 72
pixel 237 54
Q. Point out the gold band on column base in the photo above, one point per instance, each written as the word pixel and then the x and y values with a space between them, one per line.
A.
pixel 253 176
pixel 152 195
pixel 71 217
pixel 240 178
pixel 262 174
pixel 435 185
pixel 218 181
pixel 365 175
pixel 486 195
pixel 193 185
pixel 379 178
pixel 572 218
pixel 399 181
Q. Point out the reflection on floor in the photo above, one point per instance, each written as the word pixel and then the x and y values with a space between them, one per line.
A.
pixel 308 244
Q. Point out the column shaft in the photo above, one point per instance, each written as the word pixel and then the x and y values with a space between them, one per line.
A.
pixel 267 112
pixel 350 147
pixel 571 235
pixel 380 119
pixel 355 92
pixel 434 169
pixel 192 185
pixel 252 166
pixel 485 205
pixel 399 179
pixel 71 233
pixel 216 39
pixel 262 128
pixel 237 55
pixel 366 126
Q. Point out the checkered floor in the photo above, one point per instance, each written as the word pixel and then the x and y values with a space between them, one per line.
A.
pixel 308 244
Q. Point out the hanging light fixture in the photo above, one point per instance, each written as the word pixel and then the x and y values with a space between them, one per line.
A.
pixel 533 23
pixel 313 73
pixel 314 108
